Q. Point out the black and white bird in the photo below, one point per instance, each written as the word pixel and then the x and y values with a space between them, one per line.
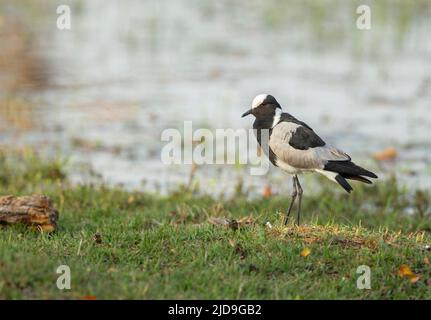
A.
pixel 295 148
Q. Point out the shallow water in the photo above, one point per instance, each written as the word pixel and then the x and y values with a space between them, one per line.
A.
pixel 127 70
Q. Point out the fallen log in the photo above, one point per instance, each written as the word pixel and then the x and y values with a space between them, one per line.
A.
pixel 36 211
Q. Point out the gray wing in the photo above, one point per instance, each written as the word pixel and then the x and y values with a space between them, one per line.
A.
pixel 300 147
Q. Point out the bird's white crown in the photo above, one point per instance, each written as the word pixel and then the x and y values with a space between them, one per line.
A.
pixel 257 101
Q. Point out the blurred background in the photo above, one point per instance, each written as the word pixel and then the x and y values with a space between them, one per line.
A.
pixel 100 94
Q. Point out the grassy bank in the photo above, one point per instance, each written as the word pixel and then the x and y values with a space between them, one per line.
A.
pixel 137 245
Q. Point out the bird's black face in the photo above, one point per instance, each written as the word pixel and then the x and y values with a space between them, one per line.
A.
pixel 263 106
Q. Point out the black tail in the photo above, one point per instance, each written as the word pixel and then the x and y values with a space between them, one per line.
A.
pixel 343 182
pixel 348 169
pixel 357 178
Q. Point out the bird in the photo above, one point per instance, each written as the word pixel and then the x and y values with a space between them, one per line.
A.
pixel 295 148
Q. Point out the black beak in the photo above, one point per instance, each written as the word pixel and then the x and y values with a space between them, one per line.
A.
pixel 247 113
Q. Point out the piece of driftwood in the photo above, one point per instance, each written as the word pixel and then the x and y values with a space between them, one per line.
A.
pixel 34 211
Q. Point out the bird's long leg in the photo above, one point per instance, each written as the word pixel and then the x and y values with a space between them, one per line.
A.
pixel 299 189
pixel 292 201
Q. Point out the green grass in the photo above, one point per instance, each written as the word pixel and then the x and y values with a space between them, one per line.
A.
pixel 155 247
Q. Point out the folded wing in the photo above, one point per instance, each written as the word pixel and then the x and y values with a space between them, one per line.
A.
pixel 296 145
pixel 301 147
